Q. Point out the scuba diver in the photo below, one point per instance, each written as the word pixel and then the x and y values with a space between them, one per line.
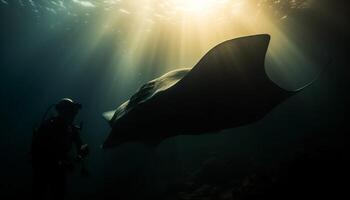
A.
pixel 51 150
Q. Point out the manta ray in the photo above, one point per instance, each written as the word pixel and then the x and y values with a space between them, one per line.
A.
pixel 227 88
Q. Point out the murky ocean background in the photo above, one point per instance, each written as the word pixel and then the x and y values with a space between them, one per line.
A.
pixel 100 52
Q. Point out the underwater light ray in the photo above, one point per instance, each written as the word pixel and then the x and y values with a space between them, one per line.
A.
pixel 188 39
pixel 154 36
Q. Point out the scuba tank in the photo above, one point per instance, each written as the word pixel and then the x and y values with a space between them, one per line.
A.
pixel 43 119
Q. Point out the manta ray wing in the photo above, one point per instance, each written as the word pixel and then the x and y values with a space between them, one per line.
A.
pixel 227 88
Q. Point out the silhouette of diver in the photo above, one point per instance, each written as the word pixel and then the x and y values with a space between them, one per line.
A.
pixel 51 150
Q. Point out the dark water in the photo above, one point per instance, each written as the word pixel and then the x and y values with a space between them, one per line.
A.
pixel 41 61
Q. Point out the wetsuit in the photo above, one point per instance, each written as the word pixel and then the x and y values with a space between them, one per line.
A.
pixel 51 147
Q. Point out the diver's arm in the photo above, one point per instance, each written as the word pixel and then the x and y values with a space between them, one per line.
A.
pixel 81 149
pixel 77 141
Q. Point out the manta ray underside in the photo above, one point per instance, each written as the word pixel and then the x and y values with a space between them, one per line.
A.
pixel 227 88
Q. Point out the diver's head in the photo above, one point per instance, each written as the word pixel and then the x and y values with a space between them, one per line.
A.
pixel 67 109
